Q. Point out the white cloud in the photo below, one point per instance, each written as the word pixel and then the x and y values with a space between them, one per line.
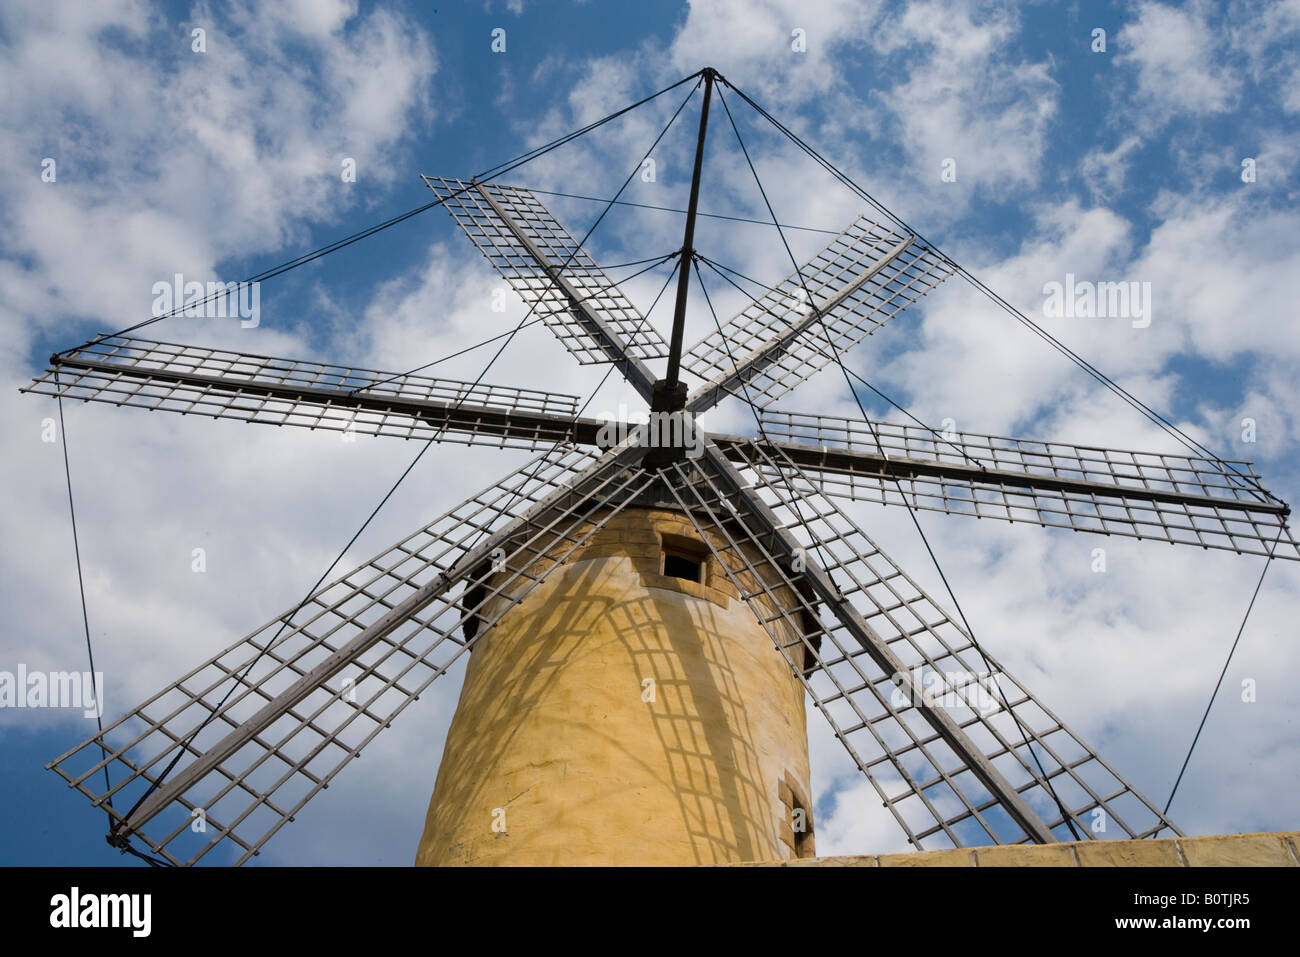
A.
pixel 968 95
pixel 1173 51
pixel 1105 170
pixel 1223 270
pixel 189 158
pixel 759 49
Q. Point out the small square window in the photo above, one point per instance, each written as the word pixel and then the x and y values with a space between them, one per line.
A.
pixel 684 558
pixel 678 565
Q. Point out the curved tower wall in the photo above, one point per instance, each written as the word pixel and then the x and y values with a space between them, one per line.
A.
pixel 619 715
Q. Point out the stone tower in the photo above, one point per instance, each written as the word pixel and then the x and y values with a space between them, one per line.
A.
pixel 630 710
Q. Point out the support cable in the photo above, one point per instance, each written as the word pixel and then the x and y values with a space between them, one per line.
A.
pixel 284 621
pixel 794 498
pixel 120 840
pixel 673 209
pixel 1027 737
pixel 1149 413
pixel 528 324
pixel 1218 684
pixel 599 219
pixel 591 398
pixel 486 176
pixel 81 582
pixel 85 621
pixel 718 268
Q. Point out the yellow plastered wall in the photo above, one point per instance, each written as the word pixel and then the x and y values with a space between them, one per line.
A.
pixel 617 716
pixel 1219 850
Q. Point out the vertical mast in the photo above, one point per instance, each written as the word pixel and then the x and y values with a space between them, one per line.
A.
pixel 669 393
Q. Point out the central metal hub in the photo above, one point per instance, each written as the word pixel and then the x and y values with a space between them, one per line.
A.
pixel 668 396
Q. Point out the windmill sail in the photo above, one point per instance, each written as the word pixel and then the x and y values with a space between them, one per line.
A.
pixel 863 278
pixel 266 724
pixel 903 685
pixel 551 272
pixel 194 380
pixel 1191 500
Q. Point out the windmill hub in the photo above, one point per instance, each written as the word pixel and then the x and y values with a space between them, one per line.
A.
pixel 668 396
pixel 668 405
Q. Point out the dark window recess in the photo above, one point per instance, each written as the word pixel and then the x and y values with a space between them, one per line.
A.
pixel 677 565
pixel 803 835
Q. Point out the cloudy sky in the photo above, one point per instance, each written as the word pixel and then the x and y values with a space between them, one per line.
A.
pixel 1131 163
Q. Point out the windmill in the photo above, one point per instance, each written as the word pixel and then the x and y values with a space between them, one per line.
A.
pixel 707 525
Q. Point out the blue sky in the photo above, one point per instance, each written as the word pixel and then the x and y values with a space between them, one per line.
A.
pixel 1123 165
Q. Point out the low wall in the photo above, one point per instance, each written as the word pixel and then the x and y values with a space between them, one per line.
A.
pixel 1221 850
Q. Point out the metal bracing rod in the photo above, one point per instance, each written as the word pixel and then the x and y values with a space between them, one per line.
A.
pixel 584 431
pixel 634 370
pixel 349 652
pixel 469 525
pixel 688 243
pixel 284 702
pixel 802 671
pixel 860 462
pixel 1041 737
pixel 876 647
pixel 554 515
pixel 712 393
pixel 462 416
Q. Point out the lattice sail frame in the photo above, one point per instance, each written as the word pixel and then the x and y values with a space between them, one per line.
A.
pixel 1097 490
pixel 860 280
pixel 471 205
pixel 932 794
pixel 218 383
pixel 563 497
